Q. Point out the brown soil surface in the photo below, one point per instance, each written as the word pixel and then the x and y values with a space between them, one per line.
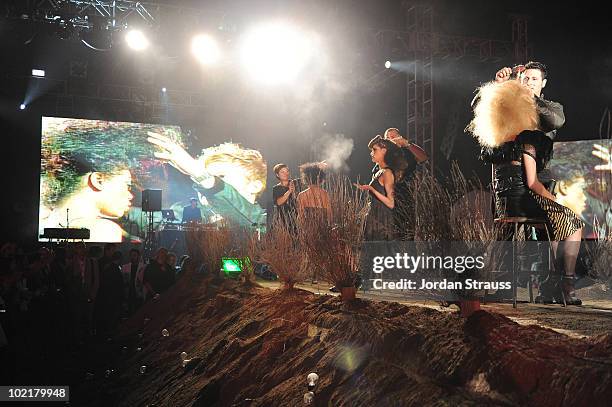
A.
pixel 253 346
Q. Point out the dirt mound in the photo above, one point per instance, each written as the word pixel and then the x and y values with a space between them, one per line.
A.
pixel 254 347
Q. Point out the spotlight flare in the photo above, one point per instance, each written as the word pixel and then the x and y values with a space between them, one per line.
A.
pixel 137 40
pixel 277 53
pixel 205 49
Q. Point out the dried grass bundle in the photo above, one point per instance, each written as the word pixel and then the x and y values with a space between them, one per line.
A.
pixel 281 251
pixel 470 215
pixel 246 249
pixel 427 219
pixel 458 213
pixel 600 254
pixel 213 244
pixel 334 249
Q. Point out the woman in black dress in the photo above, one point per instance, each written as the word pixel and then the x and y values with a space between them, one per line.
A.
pixel 504 119
pixel 380 224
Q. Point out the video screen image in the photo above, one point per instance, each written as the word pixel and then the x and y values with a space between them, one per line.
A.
pixel 93 173
pixel 583 172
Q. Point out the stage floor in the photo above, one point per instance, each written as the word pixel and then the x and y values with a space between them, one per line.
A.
pixel 592 318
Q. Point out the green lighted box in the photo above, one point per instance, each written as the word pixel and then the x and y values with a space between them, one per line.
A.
pixel 232 266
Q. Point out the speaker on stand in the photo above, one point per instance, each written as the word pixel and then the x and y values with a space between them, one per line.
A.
pixel 151 203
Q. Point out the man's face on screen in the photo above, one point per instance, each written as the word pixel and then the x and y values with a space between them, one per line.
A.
pixel 115 197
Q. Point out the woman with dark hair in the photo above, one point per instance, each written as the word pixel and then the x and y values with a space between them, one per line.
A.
pixel 380 223
pixel 313 207
pixel 505 123
pixel 313 202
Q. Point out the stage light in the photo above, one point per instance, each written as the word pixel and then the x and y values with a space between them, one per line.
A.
pixel 388 64
pixel 231 266
pixel 205 49
pixel 38 72
pixel 136 40
pixel 22 106
pixel 276 53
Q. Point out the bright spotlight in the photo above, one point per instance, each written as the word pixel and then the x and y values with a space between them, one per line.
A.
pixel 164 90
pixel 205 49
pixel 136 40
pixel 38 73
pixel 276 53
pixel 388 64
pixel 22 106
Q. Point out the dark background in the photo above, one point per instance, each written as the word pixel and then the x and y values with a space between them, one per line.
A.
pixel 285 123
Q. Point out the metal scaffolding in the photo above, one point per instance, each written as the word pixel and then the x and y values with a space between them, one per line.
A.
pixel 85 15
pixel 68 96
pixel 420 95
pixel 520 40
pixel 112 15
pixel 419 46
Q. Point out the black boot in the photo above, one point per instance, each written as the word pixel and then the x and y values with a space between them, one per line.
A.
pixel 549 290
pixel 569 292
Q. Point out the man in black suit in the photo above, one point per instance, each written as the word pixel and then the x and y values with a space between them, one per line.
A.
pixel 191 213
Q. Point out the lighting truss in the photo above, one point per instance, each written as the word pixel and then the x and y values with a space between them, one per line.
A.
pixel 82 13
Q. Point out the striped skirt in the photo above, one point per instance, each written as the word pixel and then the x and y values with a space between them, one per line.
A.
pixel 562 220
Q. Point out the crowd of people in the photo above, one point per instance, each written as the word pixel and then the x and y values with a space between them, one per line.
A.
pixel 63 296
